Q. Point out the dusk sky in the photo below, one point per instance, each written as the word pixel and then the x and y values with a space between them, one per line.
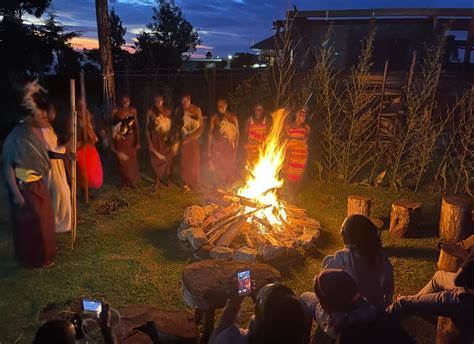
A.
pixel 225 26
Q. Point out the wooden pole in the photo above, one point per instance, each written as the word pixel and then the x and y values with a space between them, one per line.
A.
pixel 412 69
pixel 105 48
pixel 382 95
pixel 72 86
pixel 84 114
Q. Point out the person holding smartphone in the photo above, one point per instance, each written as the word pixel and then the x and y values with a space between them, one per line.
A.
pixel 279 317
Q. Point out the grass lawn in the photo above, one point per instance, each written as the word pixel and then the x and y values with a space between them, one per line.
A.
pixel 133 256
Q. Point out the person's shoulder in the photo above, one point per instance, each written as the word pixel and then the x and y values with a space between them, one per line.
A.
pixel 337 259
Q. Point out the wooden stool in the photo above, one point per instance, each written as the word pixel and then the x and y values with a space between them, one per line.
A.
pixel 455 218
pixel 207 285
pixel 358 204
pixel 404 218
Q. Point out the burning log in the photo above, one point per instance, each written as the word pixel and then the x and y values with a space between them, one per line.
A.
pixel 220 215
pixel 231 233
pixel 308 223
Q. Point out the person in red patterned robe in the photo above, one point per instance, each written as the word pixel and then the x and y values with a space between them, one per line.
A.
pixel 297 151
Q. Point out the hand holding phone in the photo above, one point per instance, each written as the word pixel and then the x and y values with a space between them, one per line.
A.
pixel 244 282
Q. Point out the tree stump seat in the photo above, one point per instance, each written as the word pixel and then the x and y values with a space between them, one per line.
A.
pixel 206 286
pixel 358 204
pixel 405 218
pixel 456 218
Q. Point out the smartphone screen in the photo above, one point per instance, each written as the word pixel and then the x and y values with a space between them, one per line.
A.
pixel 92 306
pixel 244 282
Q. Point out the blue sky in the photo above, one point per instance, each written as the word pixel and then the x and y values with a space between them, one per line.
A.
pixel 225 26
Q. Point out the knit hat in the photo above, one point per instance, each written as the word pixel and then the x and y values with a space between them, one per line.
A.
pixel 336 290
pixel 465 276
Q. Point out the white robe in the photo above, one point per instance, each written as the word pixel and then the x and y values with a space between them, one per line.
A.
pixel 58 185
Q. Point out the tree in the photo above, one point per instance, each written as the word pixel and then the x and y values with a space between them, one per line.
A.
pixel 117 40
pixel 16 8
pixel 170 35
pixel 117 31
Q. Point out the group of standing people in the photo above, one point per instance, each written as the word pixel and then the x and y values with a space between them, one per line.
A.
pixel 177 131
pixel 37 175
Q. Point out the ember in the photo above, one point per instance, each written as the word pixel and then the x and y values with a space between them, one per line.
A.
pixel 254 221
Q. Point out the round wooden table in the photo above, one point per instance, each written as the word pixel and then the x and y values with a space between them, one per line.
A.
pixel 208 284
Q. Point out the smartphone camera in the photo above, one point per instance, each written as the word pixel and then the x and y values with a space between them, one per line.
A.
pixel 244 282
pixel 93 307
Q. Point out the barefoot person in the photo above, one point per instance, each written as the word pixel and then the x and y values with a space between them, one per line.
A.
pixel 190 156
pixel 88 159
pixel 126 142
pixel 160 139
pixel 256 130
pixel 57 178
pixel 297 151
pixel 223 139
pixel 26 168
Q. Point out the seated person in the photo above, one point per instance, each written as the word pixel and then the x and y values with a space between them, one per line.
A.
pixel 443 280
pixel 279 318
pixel 59 331
pixel 345 315
pixel 456 303
pixel 364 260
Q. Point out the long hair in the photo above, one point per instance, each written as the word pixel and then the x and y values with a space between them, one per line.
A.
pixel 282 320
pixel 360 233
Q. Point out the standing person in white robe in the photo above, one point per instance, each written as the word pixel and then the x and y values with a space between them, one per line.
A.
pixel 57 179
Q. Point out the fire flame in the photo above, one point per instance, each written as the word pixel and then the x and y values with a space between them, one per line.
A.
pixel 263 179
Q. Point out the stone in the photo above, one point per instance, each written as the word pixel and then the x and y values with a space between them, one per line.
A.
pixel 305 241
pixel 194 216
pixel 183 233
pixel 221 252
pixel 196 238
pixel 245 254
pixel 271 252
pixel 185 246
pixel 210 209
pixel 203 252
pixel 308 239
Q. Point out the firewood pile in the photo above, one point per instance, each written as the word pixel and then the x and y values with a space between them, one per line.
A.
pixel 232 227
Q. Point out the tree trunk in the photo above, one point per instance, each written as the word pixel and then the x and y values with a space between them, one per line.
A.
pixel 105 48
pixel 404 219
pixel 357 204
pixel 455 219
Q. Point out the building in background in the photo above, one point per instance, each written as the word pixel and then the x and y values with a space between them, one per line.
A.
pixel 399 32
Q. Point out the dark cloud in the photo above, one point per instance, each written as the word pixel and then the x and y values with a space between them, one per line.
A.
pixel 227 25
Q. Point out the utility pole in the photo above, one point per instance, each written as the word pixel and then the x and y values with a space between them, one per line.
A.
pixel 105 48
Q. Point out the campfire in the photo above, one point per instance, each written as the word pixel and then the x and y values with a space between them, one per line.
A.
pixel 253 222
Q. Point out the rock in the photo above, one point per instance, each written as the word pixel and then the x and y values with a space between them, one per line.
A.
pixel 308 238
pixel 306 241
pixel 210 209
pixel 185 246
pixel 183 233
pixel 196 238
pixel 194 216
pixel 270 252
pixel 209 283
pixel 221 252
pixel 245 254
pixel 203 252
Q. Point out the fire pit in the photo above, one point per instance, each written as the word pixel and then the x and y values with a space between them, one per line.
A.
pixel 253 223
